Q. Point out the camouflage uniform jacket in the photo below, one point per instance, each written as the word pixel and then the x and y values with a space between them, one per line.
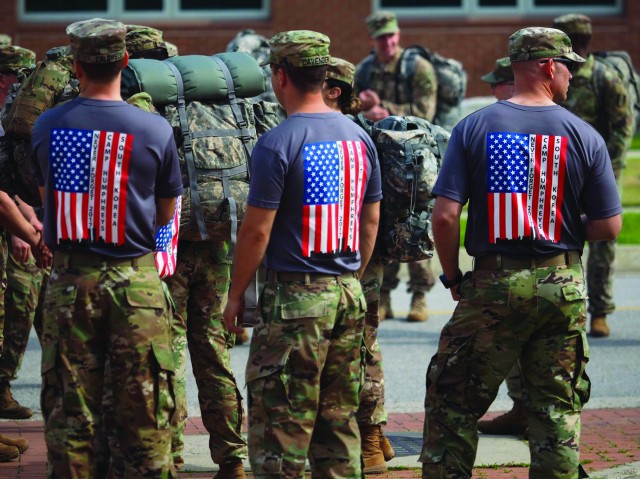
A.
pixel 598 96
pixel 417 99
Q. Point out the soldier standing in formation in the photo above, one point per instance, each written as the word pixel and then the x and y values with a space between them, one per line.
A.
pixel 105 302
pixel 598 96
pixel 514 421
pixel 316 231
pixel 14 61
pixel 371 416
pixel 381 94
pixel 525 298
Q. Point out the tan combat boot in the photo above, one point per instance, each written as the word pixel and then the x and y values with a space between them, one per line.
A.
pixel 8 453
pixel 231 470
pixel 9 407
pixel 372 455
pixel 384 305
pixel 512 423
pixel 599 327
pixel 418 310
pixel 386 448
pixel 19 443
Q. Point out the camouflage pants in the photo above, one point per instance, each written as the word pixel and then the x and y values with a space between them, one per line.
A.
pixel 421 277
pixel 200 287
pixel 600 269
pixel 303 377
pixel 99 313
pixel 536 315
pixel 22 297
pixel 371 409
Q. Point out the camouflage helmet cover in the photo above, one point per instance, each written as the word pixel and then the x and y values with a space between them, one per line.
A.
pixel 250 42
pixel 299 48
pixel 97 40
pixel 534 43
pixel 14 58
pixel 502 73
pixel 341 70
pixel 5 40
pixel 573 23
pixel 381 23
pixel 141 38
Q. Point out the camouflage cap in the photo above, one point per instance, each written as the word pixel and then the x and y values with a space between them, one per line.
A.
pixel 97 40
pixel 14 58
pixel 299 48
pixel 140 38
pixel 502 73
pixel 5 40
pixel 172 50
pixel 573 23
pixel 341 70
pixel 381 23
pixel 533 43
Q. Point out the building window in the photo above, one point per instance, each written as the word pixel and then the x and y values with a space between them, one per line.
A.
pixel 142 10
pixel 478 8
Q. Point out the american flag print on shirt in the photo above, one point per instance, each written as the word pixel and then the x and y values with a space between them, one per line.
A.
pixel 525 178
pixel 335 175
pixel 90 172
pixel 166 253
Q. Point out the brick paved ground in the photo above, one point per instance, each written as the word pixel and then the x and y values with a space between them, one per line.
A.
pixel 610 437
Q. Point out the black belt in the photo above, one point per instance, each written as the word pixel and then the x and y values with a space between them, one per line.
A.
pixel 497 261
pixel 306 278
pixel 68 259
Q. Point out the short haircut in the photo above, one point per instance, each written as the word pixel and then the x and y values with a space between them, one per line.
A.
pixel 305 79
pixel 102 72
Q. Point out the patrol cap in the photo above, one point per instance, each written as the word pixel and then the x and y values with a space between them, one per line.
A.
pixel 501 73
pixel 140 38
pixel 573 23
pixel 14 58
pixel 341 70
pixel 381 23
pixel 299 48
pixel 5 40
pixel 532 43
pixel 97 40
pixel 172 50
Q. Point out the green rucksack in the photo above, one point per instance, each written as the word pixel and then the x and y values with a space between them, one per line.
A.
pixel 205 99
pixel 410 150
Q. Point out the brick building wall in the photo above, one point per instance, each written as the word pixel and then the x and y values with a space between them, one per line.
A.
pixel 475 42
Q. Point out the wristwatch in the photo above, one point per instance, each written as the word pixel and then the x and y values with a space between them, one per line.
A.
pixel 449 283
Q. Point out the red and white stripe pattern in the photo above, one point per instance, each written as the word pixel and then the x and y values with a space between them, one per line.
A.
pixel 525 180
pixel 335 177
pixel 166 253
pixel 90 174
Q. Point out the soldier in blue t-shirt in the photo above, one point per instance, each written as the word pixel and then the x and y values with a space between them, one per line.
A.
pixel 312 213
pixel 539 184
pixel 109 174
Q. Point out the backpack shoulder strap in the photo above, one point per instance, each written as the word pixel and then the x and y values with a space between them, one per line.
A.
pixel 188 153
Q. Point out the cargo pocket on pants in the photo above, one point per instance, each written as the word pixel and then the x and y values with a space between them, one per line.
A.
pixel 164 395
pixel 52 390
pixel 266 366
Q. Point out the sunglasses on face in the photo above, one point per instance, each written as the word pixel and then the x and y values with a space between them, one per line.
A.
pixel 568 63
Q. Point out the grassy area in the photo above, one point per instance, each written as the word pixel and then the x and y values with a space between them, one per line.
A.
pixel 631 181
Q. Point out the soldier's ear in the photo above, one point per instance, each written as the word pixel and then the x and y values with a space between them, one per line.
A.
pixel 125 61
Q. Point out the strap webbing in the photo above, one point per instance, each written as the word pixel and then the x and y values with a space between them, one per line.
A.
pixel 188 154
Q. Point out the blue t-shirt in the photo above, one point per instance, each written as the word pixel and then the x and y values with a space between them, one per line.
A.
pixel 528 173
pixel 103 164
pixel 316 170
